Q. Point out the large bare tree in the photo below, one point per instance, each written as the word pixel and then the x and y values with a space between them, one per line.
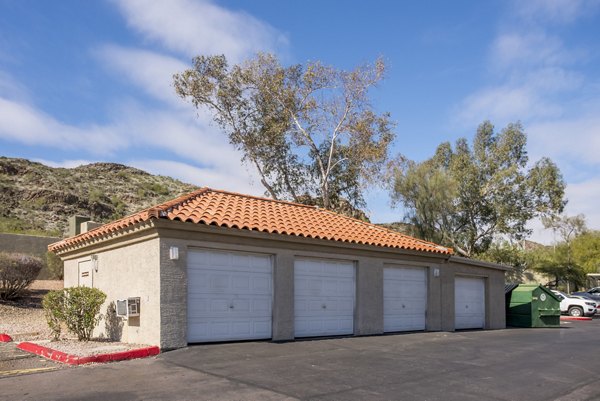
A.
pixel 310 130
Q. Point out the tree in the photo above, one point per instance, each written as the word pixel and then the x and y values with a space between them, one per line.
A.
pixel 309 130
pixel 586 251
pixel 512 255
pixel 464 198
pixel 568 227
pixel 557 263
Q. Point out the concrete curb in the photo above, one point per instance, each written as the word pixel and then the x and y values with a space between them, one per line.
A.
pixel 5 338
pixel 575 318
pixel 80 360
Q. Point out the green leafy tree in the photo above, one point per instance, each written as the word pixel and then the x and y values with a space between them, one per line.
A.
pixel 556 262
pixel 586 251
pixel 55 266
pixel 568 228
pixel 464 197
pixel 309 130
pixel 512 255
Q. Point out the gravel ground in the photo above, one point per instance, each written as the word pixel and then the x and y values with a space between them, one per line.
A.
pixel 24 320
pixel 93 347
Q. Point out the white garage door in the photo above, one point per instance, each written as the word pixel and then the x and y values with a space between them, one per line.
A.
pixel 323 297
pixel 229 296
pixel 469 306
pixel 404 299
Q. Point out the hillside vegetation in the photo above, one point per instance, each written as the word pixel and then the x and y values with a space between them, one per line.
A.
pixel 37 199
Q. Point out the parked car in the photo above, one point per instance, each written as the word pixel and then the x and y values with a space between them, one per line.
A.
pixel 593 293
pixel 575 306
pixel 589 299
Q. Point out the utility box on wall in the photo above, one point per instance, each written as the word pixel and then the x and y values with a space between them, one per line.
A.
pixel 129 307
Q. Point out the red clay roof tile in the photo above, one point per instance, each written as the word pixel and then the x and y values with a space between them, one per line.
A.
pixel 236 211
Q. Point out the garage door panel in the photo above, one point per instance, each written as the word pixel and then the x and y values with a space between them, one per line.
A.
pixel 229 296
pixel 469 309
pixel 405 299
pixel 324 297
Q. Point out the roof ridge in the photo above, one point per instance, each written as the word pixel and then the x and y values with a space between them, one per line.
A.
pixel 264 198
pixel 198 206
pixel 180 200
pixel 385 229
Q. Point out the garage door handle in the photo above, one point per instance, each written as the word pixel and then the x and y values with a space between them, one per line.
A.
pixel 324 306
pixel 230 306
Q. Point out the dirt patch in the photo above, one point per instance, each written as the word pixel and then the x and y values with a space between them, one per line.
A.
pixel 23 319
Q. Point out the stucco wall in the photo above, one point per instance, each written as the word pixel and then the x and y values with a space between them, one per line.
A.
pixel 144 268
pixel 369 264
pixel 127 271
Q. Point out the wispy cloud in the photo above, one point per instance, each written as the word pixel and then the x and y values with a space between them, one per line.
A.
pixel 554 11
pixel 201 176
pixel 150 71
pixel 537 76
pixel 151 116
pixel 22 123
pixel 200 27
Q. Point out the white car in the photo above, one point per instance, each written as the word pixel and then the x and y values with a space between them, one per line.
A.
pixel 575 306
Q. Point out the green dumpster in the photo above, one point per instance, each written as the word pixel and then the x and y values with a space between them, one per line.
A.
pixel 531 305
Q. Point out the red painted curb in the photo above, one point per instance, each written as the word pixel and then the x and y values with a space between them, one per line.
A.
pixel 575 318
pixel 5 338
pixel 80 360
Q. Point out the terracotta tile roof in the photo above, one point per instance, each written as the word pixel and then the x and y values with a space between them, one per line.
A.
pixel 244 212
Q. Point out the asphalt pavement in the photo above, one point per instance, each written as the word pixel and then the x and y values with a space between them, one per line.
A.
pixel 511 364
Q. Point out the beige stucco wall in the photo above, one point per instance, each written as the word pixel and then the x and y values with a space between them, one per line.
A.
pixel 144 268
pixel 369 262
pixel 126 271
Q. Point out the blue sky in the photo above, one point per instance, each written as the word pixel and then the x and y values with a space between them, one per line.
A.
pixel 91 81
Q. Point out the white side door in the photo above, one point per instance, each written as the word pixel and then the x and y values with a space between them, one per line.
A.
pixel 324 292
pixel 469 302
pixel 404 299
pixel 85 274
pixel 230 296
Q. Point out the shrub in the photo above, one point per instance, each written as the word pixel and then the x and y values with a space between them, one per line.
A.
pixel 17 272
pixel 53 303
pixel 77 307
pixel 55 266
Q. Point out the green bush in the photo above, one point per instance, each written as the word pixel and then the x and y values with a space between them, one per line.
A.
pixel 55 266
pixel 17 272
pixel 53 303
pixel 77 307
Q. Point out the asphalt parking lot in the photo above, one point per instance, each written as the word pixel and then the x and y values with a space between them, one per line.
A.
pixel 512 364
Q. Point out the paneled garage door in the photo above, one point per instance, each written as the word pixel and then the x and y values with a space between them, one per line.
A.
pixel 323 297
pixel 404 299
pixel 229 296
pixel 469 306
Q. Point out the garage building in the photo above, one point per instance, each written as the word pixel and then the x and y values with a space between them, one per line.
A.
pixel 219 266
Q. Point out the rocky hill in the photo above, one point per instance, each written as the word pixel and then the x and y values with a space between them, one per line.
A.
pixel 38 199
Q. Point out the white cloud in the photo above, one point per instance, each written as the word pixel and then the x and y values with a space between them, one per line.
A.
pixel 150 71
pixel 572 139
pixel 583 198
pixel 10 88
pixel 201 176
pixel 63 163
pixel 23 123
pixel 557 11
pixel 200 27
pixel 512 49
